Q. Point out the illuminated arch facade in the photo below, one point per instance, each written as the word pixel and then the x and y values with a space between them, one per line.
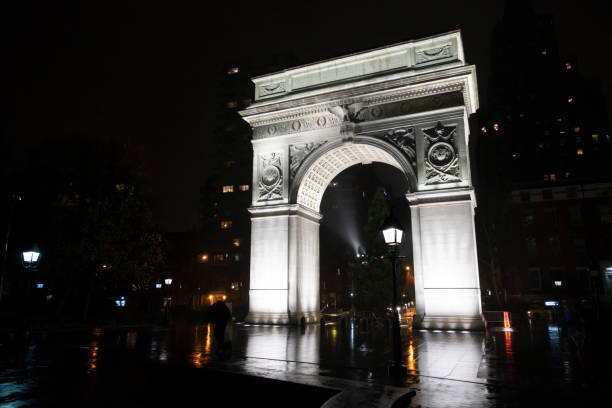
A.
pixel 405 105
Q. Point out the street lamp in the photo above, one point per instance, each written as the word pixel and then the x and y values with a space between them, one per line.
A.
pixel 30 259
pixel 393 233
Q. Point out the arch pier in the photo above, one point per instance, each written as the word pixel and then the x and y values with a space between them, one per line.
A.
pixel 406 105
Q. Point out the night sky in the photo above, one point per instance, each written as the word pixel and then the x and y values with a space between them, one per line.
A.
pixel 142 71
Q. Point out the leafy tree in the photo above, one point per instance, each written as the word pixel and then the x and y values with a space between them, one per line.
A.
pixel 94 221
pixel 371 269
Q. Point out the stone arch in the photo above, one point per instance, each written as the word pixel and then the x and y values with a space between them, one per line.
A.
pixel 406 105
pixel 325 163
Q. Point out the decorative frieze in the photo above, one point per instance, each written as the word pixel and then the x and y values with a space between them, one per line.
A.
pixel 359 112
pixel 270 177
pixel 441 158
pixel 272 89
pixel 297 125
pixel 434 54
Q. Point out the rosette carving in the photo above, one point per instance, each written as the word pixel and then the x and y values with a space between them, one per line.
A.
pixel 441 159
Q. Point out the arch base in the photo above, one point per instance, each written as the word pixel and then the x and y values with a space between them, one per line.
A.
pixel 283 319
pixel 448 323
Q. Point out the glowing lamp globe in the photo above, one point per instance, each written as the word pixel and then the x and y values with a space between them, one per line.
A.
pixel 168 281
pixel 392 231
pixel 30 257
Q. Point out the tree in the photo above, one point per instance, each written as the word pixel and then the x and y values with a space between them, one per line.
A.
pixel 370 270
pixel 93 219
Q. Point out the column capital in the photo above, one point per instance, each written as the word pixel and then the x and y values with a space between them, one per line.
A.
pixel 285 210
pixel 436 197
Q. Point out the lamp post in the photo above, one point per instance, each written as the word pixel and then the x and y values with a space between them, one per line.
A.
pixel 29 260
pixel 167 300
pixel 393 233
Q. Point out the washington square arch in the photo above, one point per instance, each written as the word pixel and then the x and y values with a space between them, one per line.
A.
pixel 405 105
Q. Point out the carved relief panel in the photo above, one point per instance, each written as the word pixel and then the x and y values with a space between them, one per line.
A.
pixel 403 138
pixel 298 153
pixel 270 181
pixel 441 159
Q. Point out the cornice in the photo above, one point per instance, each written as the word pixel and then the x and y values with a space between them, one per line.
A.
pixel 460 79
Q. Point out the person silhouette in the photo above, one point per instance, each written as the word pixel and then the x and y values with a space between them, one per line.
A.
pixel 220 314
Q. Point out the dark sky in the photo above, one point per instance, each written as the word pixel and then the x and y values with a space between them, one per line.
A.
pixel 142 71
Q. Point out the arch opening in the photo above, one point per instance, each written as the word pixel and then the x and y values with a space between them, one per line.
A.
pixel 346 242
pixel 319 170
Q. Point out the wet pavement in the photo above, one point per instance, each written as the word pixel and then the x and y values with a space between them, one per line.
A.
pixel 282 366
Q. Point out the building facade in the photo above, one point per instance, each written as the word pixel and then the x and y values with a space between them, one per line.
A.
pixel 544 144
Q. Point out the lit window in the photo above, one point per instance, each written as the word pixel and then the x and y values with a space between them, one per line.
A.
pixel 546 177
pixel 483 129
pixel 579 152
pixel 204 257
pixel 577 129
pixel 243 187
pixel 228 189
pixel 544 52
pixel 219 258
pixel 233 70
pixel 514 156
pixel 560 120
pixel 562 132
pixel 553 177
pixel 595 138
pixel 570 99
pixel 527 219
pixel 236 242
pixel 496 127
pixel 232 104
pixel 226 224
pixel 568 65
pixel 567 174
pixel 236 257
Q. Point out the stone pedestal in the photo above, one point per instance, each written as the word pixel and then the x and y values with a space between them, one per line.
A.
pixel 447 287
pixel 284 286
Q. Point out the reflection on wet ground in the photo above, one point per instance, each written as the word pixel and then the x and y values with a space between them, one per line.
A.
pixel 447 368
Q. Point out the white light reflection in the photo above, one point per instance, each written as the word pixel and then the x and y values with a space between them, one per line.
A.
pixel 284 343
